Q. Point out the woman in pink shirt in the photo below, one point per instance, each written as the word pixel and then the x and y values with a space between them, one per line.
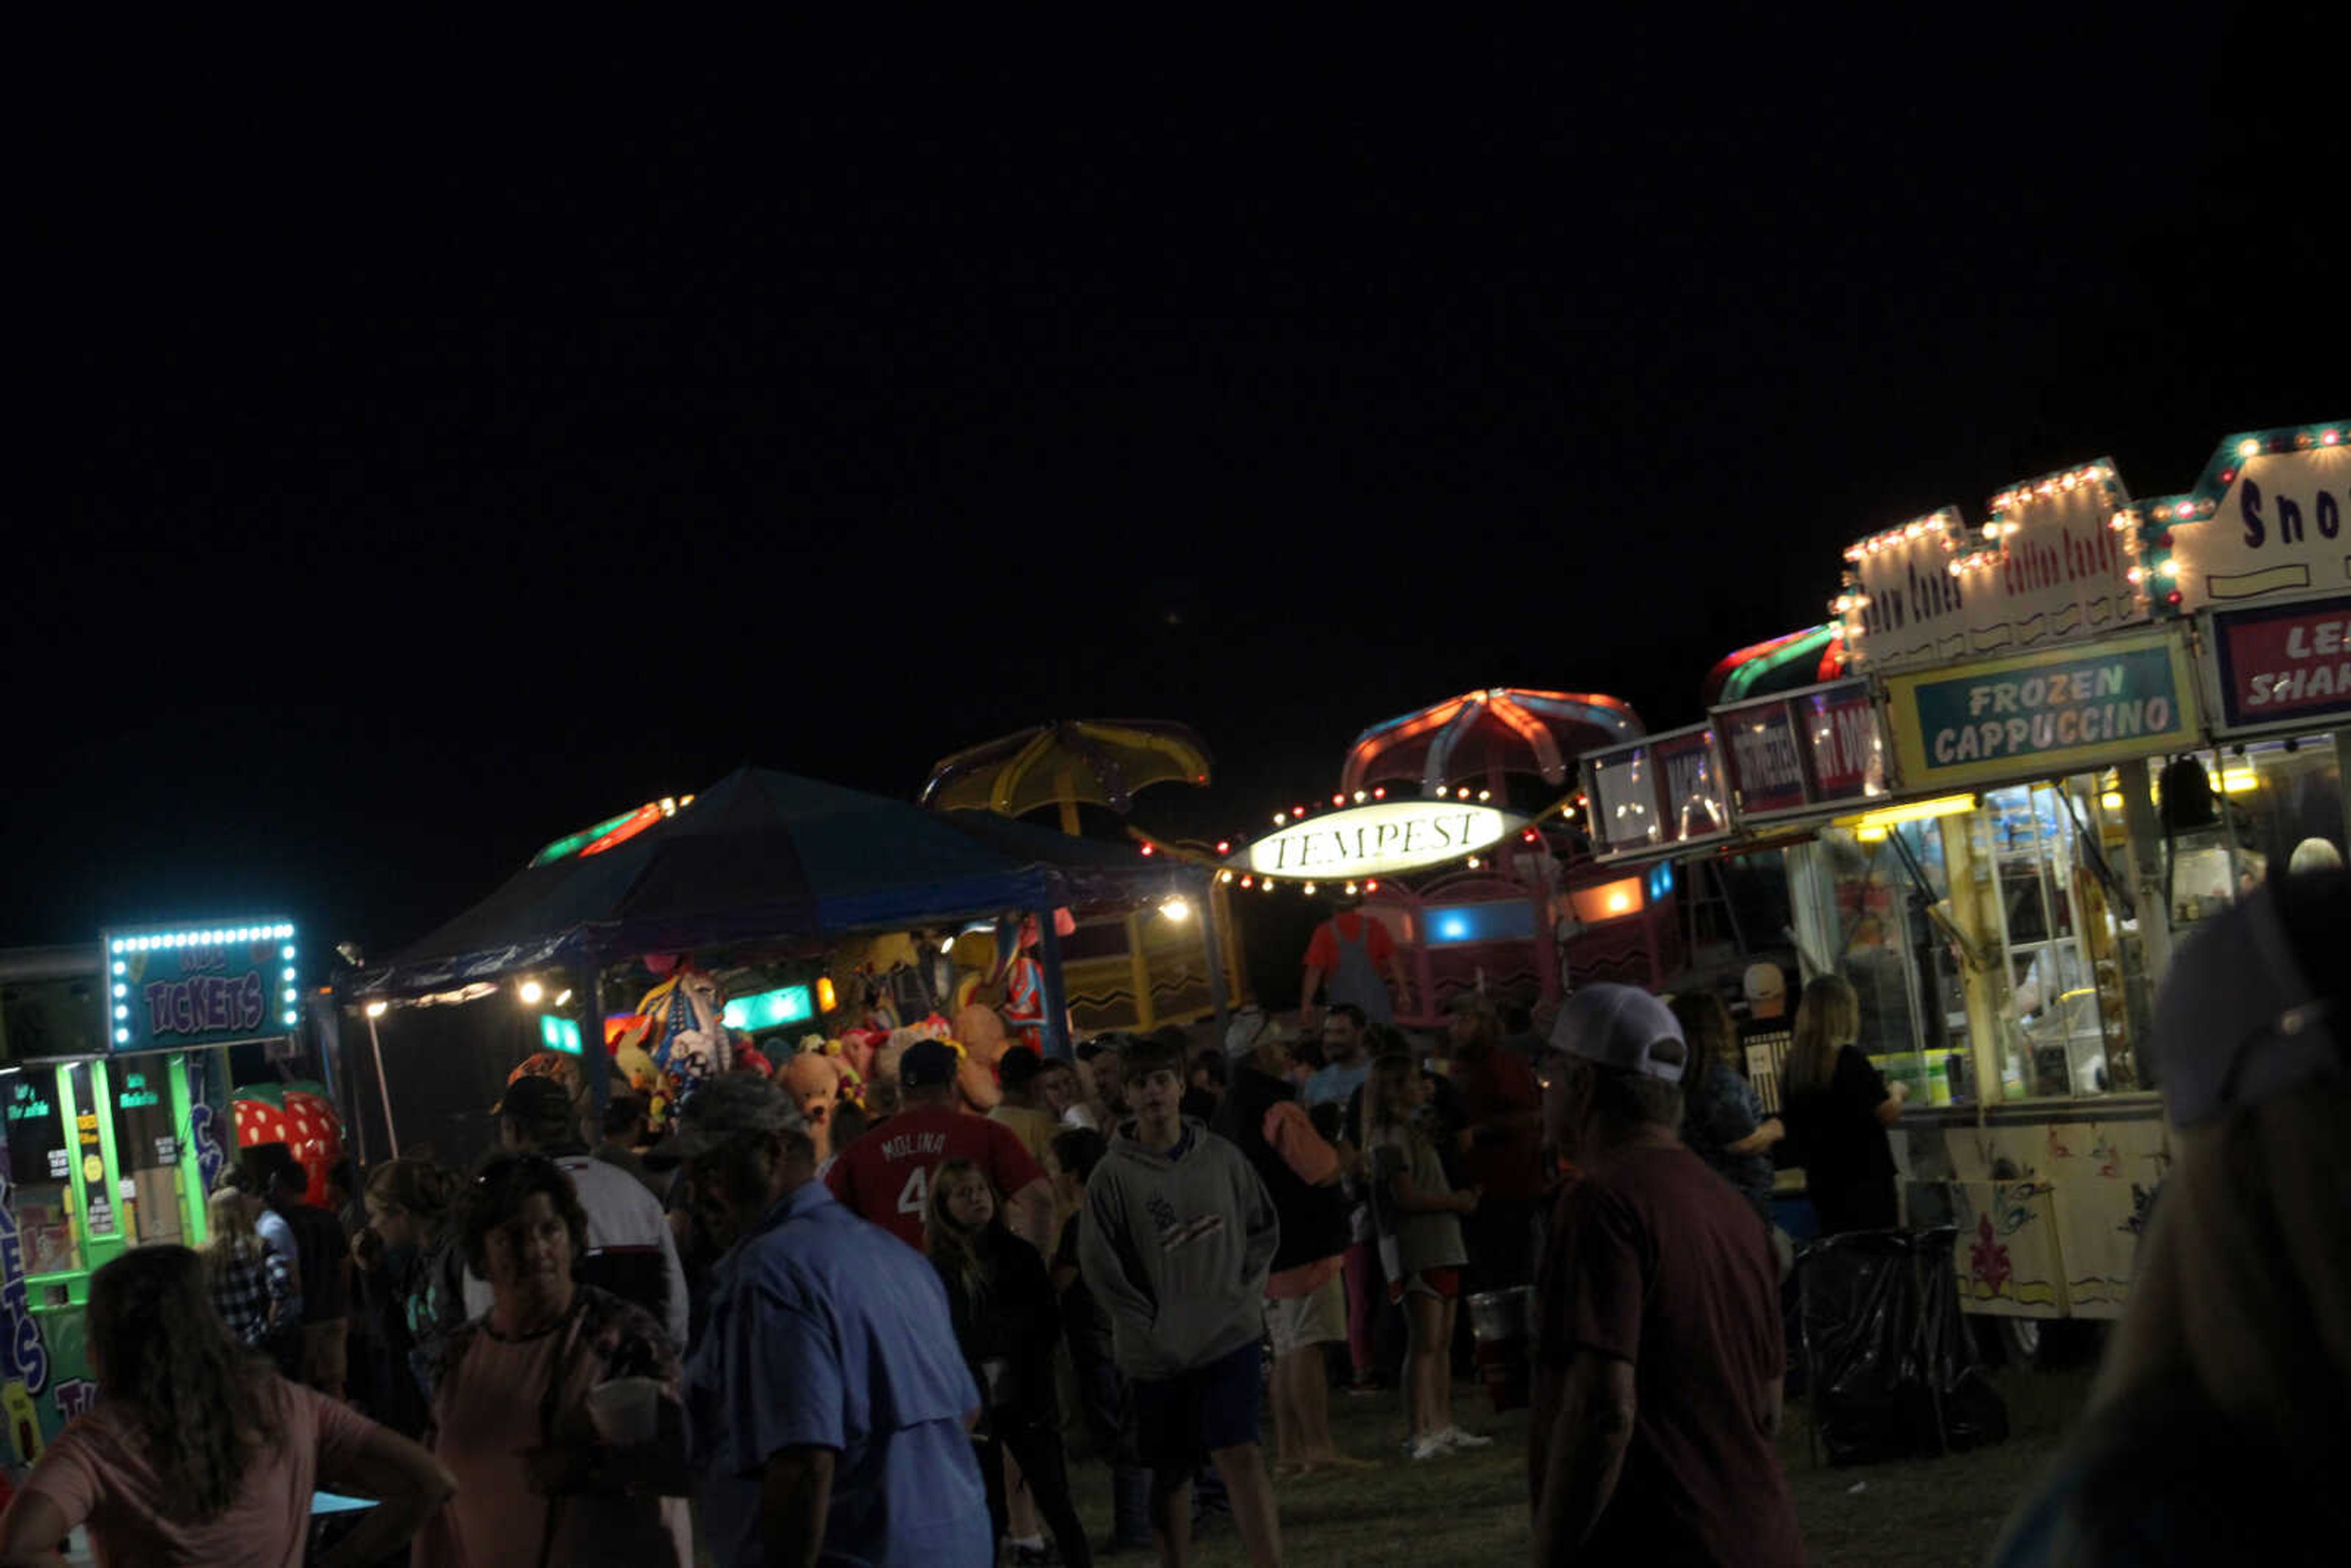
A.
pixel 199 1453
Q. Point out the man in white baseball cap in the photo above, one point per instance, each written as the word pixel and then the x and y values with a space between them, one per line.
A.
pixel 1658 1388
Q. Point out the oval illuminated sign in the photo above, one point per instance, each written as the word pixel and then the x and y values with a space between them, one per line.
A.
pixel 1380 840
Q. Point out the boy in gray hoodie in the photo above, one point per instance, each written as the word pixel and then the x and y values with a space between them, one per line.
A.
pixel 1178 1238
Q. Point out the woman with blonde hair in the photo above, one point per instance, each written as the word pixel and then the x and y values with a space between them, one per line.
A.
pixel 251 1282
pixel 2217 1427
pixel 1838 1111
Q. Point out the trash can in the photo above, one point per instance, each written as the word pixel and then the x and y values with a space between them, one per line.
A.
pixel 1501 1323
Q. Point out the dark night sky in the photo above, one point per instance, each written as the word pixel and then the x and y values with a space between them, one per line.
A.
pixel 433 461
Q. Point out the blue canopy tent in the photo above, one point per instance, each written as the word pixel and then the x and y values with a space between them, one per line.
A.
pixel 765 856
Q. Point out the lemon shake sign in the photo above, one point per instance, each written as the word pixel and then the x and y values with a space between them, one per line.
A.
pixel 2058 711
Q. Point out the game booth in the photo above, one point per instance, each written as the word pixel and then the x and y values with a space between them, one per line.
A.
pixel 116 1063
pixel 772 921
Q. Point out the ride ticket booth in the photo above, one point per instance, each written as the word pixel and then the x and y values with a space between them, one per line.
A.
pixel 116 1063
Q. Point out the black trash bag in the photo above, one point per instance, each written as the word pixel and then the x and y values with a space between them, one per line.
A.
pixel 1893 1369
pixel 1857 1309
pixel 1971 1411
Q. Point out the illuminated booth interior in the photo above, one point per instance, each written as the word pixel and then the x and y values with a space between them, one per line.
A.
pixel 116 1081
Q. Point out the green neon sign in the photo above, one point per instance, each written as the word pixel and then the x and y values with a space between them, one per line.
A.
pixel 771 1010
pixel 558 1034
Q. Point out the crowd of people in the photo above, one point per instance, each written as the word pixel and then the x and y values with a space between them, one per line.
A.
pixel 771 1346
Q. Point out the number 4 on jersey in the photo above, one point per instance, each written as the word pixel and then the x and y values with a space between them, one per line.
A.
pixel 918 1189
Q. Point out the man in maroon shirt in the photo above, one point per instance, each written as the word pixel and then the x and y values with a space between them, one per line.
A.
pixel 885 1175
pixel 1657 1396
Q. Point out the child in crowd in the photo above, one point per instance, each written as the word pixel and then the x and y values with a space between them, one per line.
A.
pixel 1007 1320
pixel 1179 1234
pixel 251 1282
pixel 1102 1394
pixel 1418 1216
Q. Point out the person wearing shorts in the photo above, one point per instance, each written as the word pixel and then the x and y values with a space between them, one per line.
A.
pixel 1306 1299
pixel 1418 1214
pixel 1178 1238
pixel 1436 1284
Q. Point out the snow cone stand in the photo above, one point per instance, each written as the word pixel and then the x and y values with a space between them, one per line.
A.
pixel 114 1086
pixel 2036 751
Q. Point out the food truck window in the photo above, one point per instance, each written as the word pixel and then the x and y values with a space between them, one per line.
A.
pixel 2278 795
pixel 40 1197
pixel 1863 906
pixel 146 1149
pixel 2064 1027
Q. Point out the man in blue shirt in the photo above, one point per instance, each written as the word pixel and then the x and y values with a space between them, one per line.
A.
pixel 829 1402
pixel 1345 1062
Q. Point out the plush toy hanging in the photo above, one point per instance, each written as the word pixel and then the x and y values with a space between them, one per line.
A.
pixel 981 1031
pixel 1024 991
pixel 685 1034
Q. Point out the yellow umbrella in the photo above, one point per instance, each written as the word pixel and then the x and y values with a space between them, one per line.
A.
pixel 1068 763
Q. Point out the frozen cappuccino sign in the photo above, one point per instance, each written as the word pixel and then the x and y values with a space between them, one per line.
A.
pixel 1379 840
pixel 206 985
pixel 2060 712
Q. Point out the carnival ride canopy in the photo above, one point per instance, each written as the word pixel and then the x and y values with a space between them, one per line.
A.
pixel 1810 657
pixel 1502 729
pixel 765 855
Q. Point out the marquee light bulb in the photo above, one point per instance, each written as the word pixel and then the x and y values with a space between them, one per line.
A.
pixel 530 991
pixel 1309 890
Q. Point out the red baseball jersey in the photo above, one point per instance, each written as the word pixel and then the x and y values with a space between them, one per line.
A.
pixel 885 1175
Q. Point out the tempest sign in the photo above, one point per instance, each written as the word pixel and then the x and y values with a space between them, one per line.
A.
pixel 1381 839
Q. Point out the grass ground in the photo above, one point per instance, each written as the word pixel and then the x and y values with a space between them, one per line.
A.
pixel 1472 1508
